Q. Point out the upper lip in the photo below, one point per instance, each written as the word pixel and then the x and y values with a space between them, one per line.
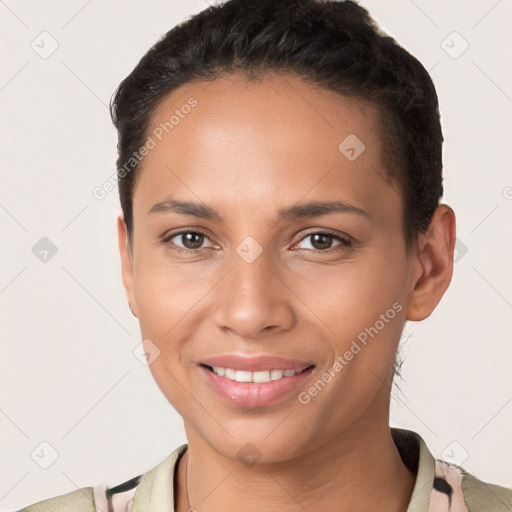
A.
pixel 256 363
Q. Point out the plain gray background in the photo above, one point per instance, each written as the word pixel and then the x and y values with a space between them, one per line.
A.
pixel 69 375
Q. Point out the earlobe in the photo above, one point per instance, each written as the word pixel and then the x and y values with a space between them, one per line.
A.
pixel 434 262
pixel 126 263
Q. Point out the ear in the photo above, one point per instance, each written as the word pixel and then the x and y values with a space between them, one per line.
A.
pixel 126 262
pixel 433 264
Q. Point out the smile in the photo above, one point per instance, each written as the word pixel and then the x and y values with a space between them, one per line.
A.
pixel 248 389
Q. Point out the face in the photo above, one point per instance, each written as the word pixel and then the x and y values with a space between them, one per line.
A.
pixel 258 272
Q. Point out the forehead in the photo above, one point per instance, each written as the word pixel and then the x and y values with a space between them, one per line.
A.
pixel 245 138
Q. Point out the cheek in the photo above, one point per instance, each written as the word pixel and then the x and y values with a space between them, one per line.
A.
pixel 167 295
pixel 359 290
pixel 171 381
pixel 362 310
pixel 362 316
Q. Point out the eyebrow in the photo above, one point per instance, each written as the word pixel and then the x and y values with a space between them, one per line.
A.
pixel 298 211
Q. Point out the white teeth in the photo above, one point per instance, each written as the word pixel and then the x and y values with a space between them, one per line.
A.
pixel 246 376
pixel 263 376
pixel 228 373
pixel 276 374
pixel 241 376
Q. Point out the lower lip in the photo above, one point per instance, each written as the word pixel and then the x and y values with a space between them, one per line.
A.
pixel 254 394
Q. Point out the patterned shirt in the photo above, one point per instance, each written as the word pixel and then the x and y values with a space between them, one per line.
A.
pixel 440 487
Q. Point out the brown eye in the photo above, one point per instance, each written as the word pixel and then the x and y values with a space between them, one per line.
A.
pixel 186 241
pixel 323 241
pixel 192 240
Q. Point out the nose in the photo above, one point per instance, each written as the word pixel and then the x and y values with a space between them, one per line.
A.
pixel 254 298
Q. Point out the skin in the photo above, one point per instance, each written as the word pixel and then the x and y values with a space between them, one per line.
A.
pixel 247 150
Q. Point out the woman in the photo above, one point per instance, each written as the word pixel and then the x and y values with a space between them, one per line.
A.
pixel 280 176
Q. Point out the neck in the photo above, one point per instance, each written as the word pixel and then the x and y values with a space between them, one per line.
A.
pixel 360 469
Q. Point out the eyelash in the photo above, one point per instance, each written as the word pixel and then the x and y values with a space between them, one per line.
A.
pixel 344 242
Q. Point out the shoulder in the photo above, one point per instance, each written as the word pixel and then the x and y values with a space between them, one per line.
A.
pixel 154 488
pixel 443 486
pixel 81 500
pixel 91 499
pixel 464 491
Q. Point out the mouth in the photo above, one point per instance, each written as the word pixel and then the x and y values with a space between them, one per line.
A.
pixel 248 389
